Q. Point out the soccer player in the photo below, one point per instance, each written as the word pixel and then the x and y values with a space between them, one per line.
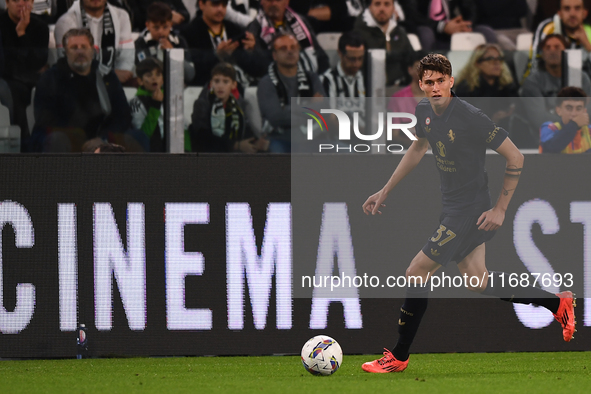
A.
pixel 459 135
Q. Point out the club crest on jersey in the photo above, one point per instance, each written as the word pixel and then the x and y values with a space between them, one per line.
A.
pixel 451 135
pixel 440 148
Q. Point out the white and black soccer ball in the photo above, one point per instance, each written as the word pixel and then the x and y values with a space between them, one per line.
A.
pixel 322 355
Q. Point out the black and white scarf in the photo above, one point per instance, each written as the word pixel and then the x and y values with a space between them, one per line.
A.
pixel 227 120
pixel 337 84
pixel 106 55
pixel 295 25
pixel 304 83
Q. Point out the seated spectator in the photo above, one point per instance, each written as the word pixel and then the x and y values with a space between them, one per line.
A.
pixel 219 123
pixel 285 80
pixel 435 21
pixel 213 40
pixel 570 134
pixel 180 14
pixel 239 12
pixel 159 36
pixel 111 28
pixel 275 17
pixel 75 102
pixel 568 23
pixel 147 112
pixel 487 75
pixel 109 148
pixel 334 15
pixel 543 84
pixel 346 79
pixel 25 39
pixel 504 16
pixel 380 30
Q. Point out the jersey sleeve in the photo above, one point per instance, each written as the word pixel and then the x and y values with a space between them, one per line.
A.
pixel 488 131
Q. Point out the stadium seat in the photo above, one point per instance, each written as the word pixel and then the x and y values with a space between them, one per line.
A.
pixel 458 60
pixel 329 41
pixel 466 41
pixel 189 96
pixel 253 113
pixel 10 136
pixel 520 60
pixel 524 41
pixel 52 55
pixel 415 42
pixel 4 116
pixel 129 92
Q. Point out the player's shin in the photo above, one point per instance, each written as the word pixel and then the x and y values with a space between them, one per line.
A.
pixel 521 295
pixel 411 314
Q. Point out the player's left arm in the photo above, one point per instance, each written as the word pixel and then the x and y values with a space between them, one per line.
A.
pixel 493 218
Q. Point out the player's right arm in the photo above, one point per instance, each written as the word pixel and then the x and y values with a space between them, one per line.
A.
pixel 410 160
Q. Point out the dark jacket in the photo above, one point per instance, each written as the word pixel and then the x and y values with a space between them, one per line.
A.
pixel 400 48
pixel 204 55
pixel 59 105
pixel 25 55
pixel 416 12
pixel 263 52
pixel 202 137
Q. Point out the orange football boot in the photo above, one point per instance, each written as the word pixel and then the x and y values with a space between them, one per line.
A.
pixel 386 364
pixel 566 314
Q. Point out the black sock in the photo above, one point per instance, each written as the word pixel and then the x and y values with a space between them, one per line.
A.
pixel 411 313
pixel 518 294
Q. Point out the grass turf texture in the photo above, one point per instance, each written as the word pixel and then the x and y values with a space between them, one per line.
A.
pixel 479 373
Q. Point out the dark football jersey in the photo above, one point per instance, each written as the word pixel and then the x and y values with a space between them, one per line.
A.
pixel 459 138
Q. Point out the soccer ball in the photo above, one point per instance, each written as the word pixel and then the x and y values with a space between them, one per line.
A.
pixel 322 355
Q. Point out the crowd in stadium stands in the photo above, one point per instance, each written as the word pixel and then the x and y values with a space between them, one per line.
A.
pixel 103 48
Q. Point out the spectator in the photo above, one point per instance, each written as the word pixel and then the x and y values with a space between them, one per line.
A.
pixel 334 15
pixel 487 75
pixel 571 133
pixel 111 28
pixel 109 148
pixel 379 28
pixel 180 14
pixel 285 80
pixel 219 123
pixel 435 21
pixel 568 23
pixel 275 17
pixel 543 84
pixel 25 39
pixel 213 40
pixel 239 12
pixel 159 36
pixel 75 102
pixel 147 112
pixel 346 79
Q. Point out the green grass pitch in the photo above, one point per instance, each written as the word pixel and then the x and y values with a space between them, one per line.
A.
pixel 429 373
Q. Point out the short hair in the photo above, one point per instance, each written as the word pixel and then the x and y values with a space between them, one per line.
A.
pixel 368 2
pixel 213 1
pixel 351 39
pixel 148 65
pixel 583 1
pixel 77 32
pixel 224 69
pixel 570 93
pixel 434 62
pixel 551 36
pixel 281 35
pixel 159 12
